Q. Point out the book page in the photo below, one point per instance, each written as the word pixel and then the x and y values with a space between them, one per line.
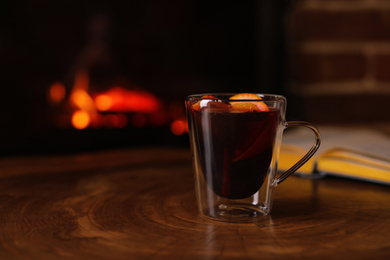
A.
pixel 371 142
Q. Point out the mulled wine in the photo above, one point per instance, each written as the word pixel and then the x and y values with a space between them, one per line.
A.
pixel 235 148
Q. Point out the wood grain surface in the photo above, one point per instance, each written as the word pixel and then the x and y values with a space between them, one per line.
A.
pixel 140 204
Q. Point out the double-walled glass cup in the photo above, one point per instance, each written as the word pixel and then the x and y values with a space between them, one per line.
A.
pixel 235 142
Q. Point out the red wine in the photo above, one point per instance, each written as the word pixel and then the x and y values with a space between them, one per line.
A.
pixel 235 149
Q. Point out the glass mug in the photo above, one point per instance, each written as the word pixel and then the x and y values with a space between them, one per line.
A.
pixel 235 141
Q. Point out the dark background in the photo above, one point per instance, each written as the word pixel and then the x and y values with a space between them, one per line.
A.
pixel 171 48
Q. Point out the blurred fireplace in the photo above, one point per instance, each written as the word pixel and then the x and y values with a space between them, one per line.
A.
pixel 119 115
pixel 92 75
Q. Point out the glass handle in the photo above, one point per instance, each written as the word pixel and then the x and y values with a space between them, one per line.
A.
pixel 307 156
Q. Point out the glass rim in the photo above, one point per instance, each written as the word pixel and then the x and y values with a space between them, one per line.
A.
pixel 263 95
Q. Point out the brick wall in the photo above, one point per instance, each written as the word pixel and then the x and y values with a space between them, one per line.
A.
pixel 339 59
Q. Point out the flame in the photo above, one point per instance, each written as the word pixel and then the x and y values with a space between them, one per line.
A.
pixel 56 92
pixel 103 102
pixel 97 121
pixel 116 103
pixel 179 127
pixel 81 119
pixel 83 102
pixel 118 99
pixel 79 96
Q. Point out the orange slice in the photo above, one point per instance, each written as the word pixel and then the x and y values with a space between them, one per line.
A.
pixel 245 96
pixel 248 106
pixel 244 107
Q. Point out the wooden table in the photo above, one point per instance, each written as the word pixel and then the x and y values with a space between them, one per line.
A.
pixel 140 204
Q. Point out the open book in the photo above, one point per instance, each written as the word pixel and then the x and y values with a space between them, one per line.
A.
pixel 346 152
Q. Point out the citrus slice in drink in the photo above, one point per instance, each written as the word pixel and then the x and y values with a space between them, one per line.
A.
pixel 246 106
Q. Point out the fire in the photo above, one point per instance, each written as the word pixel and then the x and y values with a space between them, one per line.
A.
pixel 118 99
pixel 80 97
pixel 56 92
pixel 82 101
pixel 103 102
pixel 116 108
pixel 179 127
pixel 80 119
pixel 115 100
